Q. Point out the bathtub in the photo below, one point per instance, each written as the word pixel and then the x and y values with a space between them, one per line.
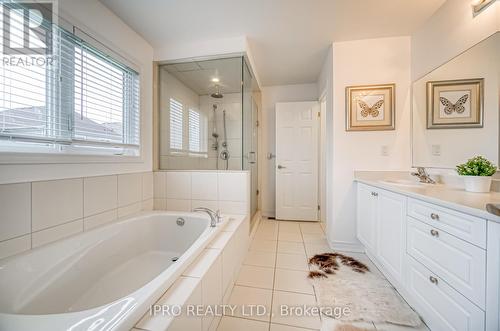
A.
pixel 103 279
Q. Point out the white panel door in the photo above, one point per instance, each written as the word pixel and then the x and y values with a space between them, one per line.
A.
pixel 297 161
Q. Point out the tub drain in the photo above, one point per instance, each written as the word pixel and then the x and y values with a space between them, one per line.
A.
pixel 175 259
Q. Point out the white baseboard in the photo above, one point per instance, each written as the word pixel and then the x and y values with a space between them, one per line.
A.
pixel 346 246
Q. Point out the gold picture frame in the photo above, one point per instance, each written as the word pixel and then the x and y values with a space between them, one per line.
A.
pixel 371 107
pixel 455 104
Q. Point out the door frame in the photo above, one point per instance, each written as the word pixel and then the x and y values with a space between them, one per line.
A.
pixel 317 117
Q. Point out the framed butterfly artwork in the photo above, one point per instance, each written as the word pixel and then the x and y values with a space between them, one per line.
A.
pixel 370 107
pixel 455 104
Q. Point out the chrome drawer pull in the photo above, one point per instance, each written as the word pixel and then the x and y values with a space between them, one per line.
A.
pixel 435 216
pixel 433 280
pixel 434 233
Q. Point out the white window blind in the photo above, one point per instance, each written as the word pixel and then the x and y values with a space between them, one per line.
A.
pixel 78 99
pixel 194 131
pixel 176 125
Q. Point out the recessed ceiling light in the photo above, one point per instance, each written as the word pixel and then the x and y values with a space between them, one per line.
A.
pixel 215 80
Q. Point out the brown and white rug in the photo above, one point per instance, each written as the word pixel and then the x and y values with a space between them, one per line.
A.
pixel 341 281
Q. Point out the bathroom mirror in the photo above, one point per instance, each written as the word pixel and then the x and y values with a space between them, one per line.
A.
pixel 455 111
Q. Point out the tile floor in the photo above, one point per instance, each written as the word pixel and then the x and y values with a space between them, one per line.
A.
pixel 274 273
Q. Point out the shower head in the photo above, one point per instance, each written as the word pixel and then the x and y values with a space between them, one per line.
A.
pixel 217 93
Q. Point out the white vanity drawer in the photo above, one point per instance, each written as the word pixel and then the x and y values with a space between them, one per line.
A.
pixel 466 227
pixel 441 307
pixel 459 263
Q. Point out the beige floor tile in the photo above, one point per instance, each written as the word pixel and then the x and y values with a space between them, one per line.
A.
pixel 262 259
pixel 242 297
pixel 314 238
pixel 232 323
pixel 263 245
pixel 290 236
pixel 265 234
pixel 292 281
pixel 312 249
pixel 289 301
pixel 289 227
pixel 269 226
pixel 313 228
pixel 290 247
pixel 291 261
pixel 253 276
pixel 280 327
pixel 366 260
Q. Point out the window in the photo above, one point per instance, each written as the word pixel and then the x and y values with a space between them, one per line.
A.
pixel 194 131
pixel 176 125
pixel 187 129
pixel 76 99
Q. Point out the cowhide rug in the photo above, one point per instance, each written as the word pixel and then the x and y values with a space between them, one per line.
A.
pixel 341 281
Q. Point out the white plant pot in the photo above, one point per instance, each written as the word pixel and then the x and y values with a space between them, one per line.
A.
pixel 478 184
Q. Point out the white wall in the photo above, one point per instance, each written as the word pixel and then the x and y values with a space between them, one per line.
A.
pixel 449 32
pixel 270 95
pixel 111 31
pixel 387 61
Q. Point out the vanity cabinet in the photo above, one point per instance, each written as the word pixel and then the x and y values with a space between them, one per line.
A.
pixel 381 227
pixel 366 216
pixel 444 262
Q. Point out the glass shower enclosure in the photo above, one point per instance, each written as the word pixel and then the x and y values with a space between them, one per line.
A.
pixel 209 117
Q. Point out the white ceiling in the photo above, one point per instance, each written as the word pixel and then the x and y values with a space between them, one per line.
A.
pixel 289 38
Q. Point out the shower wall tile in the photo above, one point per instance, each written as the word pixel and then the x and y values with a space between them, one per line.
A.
pixel 99 194
pixel 15 206
pixel 179 185
pixel 228 191
pixel 160 185
pixel 147 186
pixel 100 219
pixel 56 233
pixel 204 186
pixel 56 202
pixel 129 189
pixel 15 246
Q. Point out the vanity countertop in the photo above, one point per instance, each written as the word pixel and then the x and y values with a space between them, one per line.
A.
pixel 447 196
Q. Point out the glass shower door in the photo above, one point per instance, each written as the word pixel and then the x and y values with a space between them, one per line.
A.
pixel 250 137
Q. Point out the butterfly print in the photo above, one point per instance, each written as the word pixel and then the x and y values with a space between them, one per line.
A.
pixel 373 110
pixel 449 107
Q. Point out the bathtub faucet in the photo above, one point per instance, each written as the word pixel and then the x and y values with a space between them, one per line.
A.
pixel 215 216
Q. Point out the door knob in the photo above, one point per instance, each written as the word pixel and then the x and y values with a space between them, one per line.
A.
pixel 280 166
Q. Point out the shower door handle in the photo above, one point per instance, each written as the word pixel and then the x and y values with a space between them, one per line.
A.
pixel 280 166
pixel 251 157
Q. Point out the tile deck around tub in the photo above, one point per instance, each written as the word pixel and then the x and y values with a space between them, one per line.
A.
pixel 274 273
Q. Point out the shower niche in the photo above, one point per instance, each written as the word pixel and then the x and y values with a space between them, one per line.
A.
pixel 208 115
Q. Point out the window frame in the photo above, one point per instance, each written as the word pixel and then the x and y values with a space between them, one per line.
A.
pixel 30 151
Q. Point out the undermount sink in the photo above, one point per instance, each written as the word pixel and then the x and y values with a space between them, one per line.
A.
pixel 403 182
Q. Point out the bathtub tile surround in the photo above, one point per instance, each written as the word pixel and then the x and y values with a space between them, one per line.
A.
pixel 228 191
pixel 37 213
pixel 209 280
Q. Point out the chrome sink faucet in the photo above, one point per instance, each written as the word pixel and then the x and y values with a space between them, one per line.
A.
pixel 215 216
pixel 423 176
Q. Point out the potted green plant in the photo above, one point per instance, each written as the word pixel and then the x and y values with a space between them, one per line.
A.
pixel 477 174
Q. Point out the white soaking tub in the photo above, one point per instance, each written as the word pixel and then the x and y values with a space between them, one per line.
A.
pixel 103 279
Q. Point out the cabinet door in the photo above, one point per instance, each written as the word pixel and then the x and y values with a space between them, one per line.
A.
pixel 391 232
pixel 366 217
pixel 493 277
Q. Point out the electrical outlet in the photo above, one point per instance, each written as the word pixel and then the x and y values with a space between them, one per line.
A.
pixel 436 150
pixel 384 150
